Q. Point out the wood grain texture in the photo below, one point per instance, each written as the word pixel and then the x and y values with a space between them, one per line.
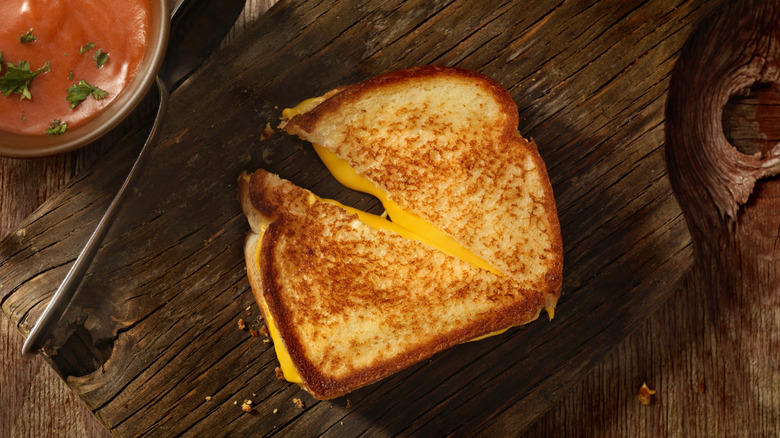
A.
pixel 711 352
pixel 34 400
pixel 590 80
pixel 731 201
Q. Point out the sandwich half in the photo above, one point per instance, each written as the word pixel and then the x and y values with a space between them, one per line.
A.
pixel 472 245
pixel 350 298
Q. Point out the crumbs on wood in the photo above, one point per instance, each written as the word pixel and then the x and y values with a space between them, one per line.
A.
pixel 645 395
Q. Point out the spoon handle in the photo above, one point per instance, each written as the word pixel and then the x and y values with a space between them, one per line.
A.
pixel 62 297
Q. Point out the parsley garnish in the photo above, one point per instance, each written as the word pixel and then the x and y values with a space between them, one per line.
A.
pixel 100 58
pixel 70 75
pixel 22 118
pixel 28 37
pixel 57 128
pixel 1 60
pixel 17 79
pixel 86 47
pixel 78 92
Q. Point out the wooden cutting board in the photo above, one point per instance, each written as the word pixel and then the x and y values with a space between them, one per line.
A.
pixel 152 343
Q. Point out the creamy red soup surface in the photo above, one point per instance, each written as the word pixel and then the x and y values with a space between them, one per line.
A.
pixel 87 52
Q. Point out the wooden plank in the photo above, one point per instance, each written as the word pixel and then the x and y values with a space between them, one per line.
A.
pixel 589 79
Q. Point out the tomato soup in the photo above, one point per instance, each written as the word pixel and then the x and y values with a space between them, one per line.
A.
pixel 99 42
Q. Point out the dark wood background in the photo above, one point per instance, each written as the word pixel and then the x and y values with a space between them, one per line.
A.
pixel 154 331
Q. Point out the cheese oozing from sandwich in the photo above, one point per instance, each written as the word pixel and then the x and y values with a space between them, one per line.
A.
pixel 285 361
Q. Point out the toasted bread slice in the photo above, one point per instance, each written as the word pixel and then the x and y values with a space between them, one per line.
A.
pixel 442 143
pixel 354 303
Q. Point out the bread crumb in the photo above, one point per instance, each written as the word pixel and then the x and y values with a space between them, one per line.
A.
pixel 645 394
pixel 348 404
pixel 241 324
pixel 267 132
pixel 50 351
pixel 235 402
pixel 266 341
pixel 264 330
pixel 276 410
pixel 246 407
pixel 254 333
pixel 298 402
pixel 248 308
pixel 208 398
pixel 279 373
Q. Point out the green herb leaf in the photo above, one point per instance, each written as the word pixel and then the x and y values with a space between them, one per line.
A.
pixel 77 93
pixel 1 60
pixel 57 128
pixel 28 37
pixel 17 79
pixel 22 117
pixel 100 58
pixel 86 47
pixel 70 75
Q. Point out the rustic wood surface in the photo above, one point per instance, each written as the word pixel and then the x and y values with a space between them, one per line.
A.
pixel 731 199
pixel 609 161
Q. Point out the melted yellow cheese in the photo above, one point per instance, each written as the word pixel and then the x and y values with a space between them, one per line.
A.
pixel 285 361
pixel 306 105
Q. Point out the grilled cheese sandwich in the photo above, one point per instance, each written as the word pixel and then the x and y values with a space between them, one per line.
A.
pixel 471 248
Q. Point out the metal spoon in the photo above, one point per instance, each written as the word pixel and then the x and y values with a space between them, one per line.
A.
pixel 197 28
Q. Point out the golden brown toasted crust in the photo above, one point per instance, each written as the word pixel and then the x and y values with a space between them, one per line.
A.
pixel 354 304
pixel 443 143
